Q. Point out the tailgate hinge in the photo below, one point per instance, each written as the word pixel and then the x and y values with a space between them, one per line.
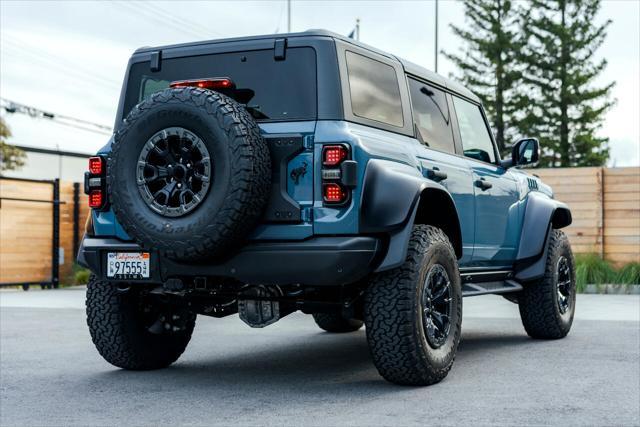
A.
pixel 308 141
pixel 306 215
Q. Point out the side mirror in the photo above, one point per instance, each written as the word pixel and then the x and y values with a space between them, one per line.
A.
pixel 525 152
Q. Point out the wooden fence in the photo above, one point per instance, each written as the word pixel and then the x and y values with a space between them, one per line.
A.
pixel 605 204
pixel 27 222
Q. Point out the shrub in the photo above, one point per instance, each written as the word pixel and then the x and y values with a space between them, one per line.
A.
pixel 591 269
pixel 80 275
pixel 629 274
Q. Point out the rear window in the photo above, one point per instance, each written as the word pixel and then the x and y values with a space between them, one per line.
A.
pixel 374 90
pixel 282 90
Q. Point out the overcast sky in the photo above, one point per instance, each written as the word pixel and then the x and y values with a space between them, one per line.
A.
pixel 70 57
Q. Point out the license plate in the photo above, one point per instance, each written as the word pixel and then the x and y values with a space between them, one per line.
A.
pixel 128 265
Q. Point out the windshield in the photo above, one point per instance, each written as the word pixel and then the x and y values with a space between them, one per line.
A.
pixel 278 89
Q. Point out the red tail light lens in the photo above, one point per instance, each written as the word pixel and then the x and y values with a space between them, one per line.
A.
pixel 334 193
pixel 95 199
pixel 333 155
pixel 216 83
pixel 96 165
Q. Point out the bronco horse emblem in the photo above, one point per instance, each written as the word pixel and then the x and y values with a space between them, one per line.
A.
pixel 298 173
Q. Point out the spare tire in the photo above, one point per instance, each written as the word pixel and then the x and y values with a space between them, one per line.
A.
pixel 188 173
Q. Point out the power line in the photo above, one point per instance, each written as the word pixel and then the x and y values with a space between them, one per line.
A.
pixel 30 53
pixel 160 19
pixel 16 107
pixel 183 21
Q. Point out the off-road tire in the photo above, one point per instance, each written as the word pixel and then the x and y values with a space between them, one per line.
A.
pixel 393 313
pixel 538 301
pixel 119 336
pixel 334 322
pixel 240 185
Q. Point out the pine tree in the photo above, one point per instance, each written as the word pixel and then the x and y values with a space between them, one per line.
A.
pixel 566 108
pixel 489 61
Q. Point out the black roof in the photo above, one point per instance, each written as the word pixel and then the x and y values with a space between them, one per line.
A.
pixel 409 67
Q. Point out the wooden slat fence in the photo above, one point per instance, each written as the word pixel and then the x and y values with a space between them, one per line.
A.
pixel 26 230
pixel 605 204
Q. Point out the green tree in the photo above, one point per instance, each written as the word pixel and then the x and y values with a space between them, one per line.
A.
pixel 567 107
pixel 11 157
pixel 489 62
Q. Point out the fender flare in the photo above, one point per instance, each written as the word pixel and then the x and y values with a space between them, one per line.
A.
pixel 542 214
pixel 390 201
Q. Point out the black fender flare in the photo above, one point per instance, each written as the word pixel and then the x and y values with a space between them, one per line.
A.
pixel 542 214
pixel 390 201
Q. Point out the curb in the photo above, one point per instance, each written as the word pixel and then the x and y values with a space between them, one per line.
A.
pixel 611 289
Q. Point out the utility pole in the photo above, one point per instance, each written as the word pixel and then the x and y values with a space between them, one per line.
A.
pixel 288 16
pixel 436 52
pixel 358 29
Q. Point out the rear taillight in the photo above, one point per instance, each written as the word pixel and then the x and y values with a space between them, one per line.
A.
pixel 333 155
pixel 95 199
pixel 215 83
pixel 333 193
pixel 96 165
pixel 338 174
pixel 94 182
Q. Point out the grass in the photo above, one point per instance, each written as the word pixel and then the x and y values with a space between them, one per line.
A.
pixel 591 269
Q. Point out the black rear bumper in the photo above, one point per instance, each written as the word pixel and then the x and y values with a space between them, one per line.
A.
pixel 320 261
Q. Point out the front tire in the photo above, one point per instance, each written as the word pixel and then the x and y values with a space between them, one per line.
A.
pixel 130 332
pixel 413 313
pixel 548 305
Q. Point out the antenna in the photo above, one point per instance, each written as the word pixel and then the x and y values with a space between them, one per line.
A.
pixel 436 52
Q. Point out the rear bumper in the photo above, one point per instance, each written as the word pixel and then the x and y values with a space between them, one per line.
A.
pixel 319 261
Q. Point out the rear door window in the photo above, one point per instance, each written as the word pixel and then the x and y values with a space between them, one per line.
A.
pixel 476 140
pixel 278 90
pixel 432 116
pixel 374 90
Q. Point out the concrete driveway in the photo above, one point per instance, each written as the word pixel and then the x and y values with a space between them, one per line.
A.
pixel 291 373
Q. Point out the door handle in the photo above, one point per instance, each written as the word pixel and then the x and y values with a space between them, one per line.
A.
pixel 436 174
pixel 483 184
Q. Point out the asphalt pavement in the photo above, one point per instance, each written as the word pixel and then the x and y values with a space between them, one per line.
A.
pixel 291 373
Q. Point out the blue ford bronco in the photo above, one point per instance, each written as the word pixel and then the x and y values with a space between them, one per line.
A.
pixel 265 175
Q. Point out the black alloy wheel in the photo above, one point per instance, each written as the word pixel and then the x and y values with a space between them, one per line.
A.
pixel 174 171
pixel 436 306
pixel 563 284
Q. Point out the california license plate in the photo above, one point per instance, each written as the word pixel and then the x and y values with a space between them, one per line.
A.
pixel 128 265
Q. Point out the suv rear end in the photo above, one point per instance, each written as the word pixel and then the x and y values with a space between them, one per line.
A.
pixel 309 232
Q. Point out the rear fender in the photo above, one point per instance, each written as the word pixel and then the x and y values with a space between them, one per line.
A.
pixel 394 197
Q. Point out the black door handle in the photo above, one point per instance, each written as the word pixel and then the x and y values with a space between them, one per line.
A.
pixel 483 184
pixel 436 174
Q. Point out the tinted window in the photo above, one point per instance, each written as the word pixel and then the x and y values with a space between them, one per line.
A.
pixel 431 116
pixel 374 89
pixel 275 90
pixel 476 140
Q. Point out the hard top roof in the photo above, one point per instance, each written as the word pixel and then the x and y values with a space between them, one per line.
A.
pixel 409 67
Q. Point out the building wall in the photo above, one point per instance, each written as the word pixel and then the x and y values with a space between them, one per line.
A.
pixel 49 166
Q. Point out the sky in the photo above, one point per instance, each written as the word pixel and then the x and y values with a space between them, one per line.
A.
pixel 70 57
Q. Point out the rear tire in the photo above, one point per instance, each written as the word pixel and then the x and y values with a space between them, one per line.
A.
pixel 122 333
pixel 404 307
pixel 548 305
pixel 334 322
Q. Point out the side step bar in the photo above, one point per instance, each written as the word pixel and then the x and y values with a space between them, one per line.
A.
pixel 483 288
